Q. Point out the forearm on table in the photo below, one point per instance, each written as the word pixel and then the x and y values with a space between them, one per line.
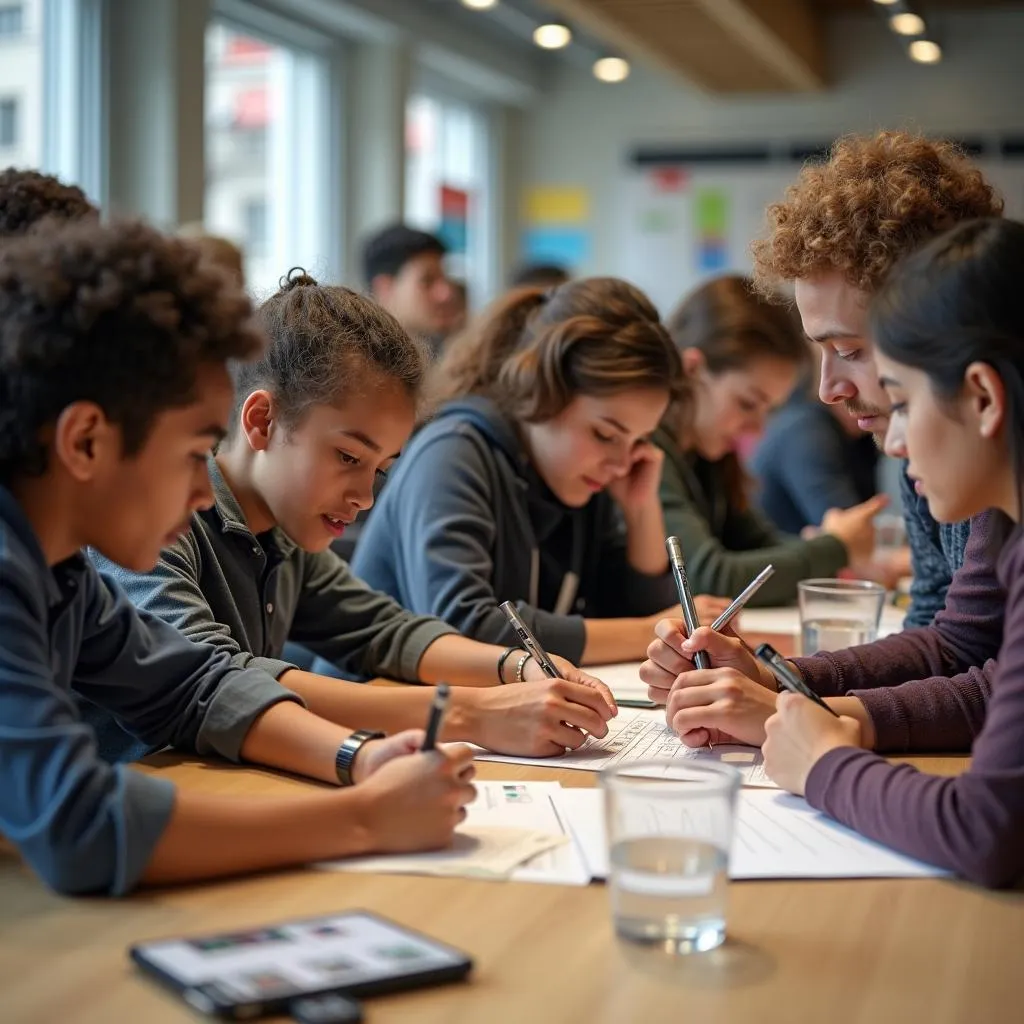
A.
pixel 210 836
pixel 387 709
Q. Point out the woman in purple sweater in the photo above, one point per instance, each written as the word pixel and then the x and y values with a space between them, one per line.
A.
pixel 950 332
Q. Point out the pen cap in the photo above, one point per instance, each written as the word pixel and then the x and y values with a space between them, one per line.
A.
pixel 675 551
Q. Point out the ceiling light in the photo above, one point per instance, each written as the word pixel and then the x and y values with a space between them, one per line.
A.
pixel 552 37
pixel 886 3
pixel 485 5
pixel 924 51
pixel 907 24
pixel 611 69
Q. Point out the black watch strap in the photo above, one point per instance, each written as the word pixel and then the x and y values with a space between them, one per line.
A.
pixel 346 755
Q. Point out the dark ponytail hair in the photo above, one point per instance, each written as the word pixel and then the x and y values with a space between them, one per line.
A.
pixel 326 341
pixel 955 302
pixel 731 326
pixel 535 350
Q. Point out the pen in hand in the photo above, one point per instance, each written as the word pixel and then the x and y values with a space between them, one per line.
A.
pixel 787 677
pixel 530 643
pixel 675 557
pixel 438 707
pixel 738 604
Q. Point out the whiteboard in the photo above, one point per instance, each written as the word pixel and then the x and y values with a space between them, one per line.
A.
pixel 669 219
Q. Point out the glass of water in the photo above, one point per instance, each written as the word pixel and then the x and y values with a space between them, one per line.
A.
pixel 836 614
pixel 669 831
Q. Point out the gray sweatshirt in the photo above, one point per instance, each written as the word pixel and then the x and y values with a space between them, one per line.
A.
pixel 247 595
pixel 65 633
pixel 466 523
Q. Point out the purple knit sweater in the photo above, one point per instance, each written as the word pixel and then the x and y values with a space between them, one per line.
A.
pixel 944 708
pixel 972 824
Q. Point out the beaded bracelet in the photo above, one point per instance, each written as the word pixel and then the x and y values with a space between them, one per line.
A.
pixel 521 665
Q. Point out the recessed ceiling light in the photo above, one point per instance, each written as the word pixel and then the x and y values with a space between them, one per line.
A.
pixel 611 69
pixel 552 37
pixel 886 3
pixel 924 51
pixel 907 24
pixel 485 5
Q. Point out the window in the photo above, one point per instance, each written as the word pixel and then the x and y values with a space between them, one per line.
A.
pixel 267 152
pixel 446 182
pixel 11 20
pixel 8 123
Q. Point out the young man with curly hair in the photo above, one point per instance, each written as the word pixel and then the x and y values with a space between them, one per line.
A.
pixel 30 197
pixel 837 234
pixel 114 384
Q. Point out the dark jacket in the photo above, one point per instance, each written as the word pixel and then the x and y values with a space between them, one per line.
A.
pixel 466 523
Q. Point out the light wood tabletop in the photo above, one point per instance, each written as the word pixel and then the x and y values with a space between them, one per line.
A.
pixel 833 951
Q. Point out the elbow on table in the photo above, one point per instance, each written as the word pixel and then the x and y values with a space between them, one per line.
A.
pixel 994 864
pixel 68 873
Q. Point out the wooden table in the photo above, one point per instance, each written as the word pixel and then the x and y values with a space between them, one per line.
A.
pixel 822 952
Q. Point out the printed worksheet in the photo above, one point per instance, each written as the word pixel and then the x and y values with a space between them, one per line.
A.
pixel 777 835
pixel 638 734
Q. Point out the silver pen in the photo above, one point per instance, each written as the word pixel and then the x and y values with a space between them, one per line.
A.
pixel 675 557
pixel 529 641
pixel 736 606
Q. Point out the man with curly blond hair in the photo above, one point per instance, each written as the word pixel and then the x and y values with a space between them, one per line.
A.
pixel 840 229
pixel 836 235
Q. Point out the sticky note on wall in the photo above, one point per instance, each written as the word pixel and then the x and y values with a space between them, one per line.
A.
pixel 556 225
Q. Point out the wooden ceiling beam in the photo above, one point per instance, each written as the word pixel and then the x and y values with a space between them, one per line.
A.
pixel 721 45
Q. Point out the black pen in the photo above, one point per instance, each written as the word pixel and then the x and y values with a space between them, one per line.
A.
pixel 787 677
pixel 438 707
pixel 675 557
pixel 529 641
pixel 745 595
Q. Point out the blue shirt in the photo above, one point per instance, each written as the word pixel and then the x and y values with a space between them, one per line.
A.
pixel 936 552
pixel 68 635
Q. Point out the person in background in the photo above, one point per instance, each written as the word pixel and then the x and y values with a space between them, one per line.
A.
pixel 404 272
pixel 812 457
pixel 317 421
pixel 538 275
pixel 742 358
pixel 220 251
pixel 536 482
pixel 29 198
pixel 835 236
pixel 114 344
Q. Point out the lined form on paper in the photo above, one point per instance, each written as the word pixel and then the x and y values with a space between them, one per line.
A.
pixel 637 734
pixel 777 835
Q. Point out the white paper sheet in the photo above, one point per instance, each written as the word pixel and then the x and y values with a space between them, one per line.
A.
pixel 637 734
pixel 512 829
pixel 778 835
pixel 622 679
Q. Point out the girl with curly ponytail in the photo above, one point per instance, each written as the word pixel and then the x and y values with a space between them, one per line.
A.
pixel 537 482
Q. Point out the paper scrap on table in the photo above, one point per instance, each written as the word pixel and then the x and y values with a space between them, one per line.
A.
pixel 503 811
pixel 778 835
pixel 638 734
pixel 623 679
pixel 477 852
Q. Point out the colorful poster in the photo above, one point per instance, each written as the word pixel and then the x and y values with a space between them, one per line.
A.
pixel 556 223
pixel 454 219
pixel 711 229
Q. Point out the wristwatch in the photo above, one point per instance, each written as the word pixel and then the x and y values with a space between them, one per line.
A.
pixel 346 755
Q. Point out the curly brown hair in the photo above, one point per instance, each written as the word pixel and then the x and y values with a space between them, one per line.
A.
pixel 28 197
pixel 535 350
pixel 119 315
pixel 875 200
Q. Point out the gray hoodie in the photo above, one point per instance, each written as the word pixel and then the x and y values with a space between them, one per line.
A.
pixel 466 523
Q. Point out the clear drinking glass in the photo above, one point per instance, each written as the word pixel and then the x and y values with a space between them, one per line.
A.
pixel 670 828
pixel 836 614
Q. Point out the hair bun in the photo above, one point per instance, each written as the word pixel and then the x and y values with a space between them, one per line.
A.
pixel 297 278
